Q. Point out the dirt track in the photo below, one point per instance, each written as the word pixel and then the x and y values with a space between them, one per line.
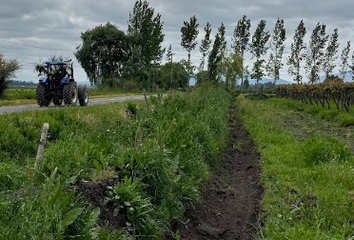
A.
pixel 231 201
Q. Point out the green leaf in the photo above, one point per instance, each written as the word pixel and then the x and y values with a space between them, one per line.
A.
pixel 70 217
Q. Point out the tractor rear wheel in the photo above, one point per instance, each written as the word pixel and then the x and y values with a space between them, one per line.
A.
pixel 70 94
pixel 83 96
pixel 41 96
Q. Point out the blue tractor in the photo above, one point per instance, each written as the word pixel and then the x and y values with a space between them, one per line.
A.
pixel 59 85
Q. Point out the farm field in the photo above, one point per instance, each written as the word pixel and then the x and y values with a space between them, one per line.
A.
pixel 185 166
pixel 307 169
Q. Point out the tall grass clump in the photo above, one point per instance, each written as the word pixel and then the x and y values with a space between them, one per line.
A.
pixel 322 149
pixel 160 153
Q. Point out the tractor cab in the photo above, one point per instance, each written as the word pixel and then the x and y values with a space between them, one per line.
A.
pixel 60 71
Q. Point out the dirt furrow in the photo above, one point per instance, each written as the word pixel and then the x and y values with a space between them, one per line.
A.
pixel 231 201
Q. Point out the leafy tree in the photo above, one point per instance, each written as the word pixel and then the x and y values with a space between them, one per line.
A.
pixel 179 78
pixel 352 66
pixel 241 38
pixel 315 53
pixel 297 53
pixel 169 59
pixel 331 54
pixel 103 53
pixel 7 71
pixel 205 45
pixel 145 30
pixel 202 76
pixel 344 64
pixel 277 49
pixel 259 48
pixel 231 68
pixel 216 53
pixel 246 82
pixel 169 54
pixel 189 34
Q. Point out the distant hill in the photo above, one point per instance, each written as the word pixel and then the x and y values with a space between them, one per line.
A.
pixel 265 80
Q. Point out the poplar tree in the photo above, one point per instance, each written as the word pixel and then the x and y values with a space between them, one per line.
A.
pixel 344 58
pixel 315 53
pixel 277 49
pixel 258 49
pixel 169 54
pixel 145 31
pixel 331 54
pixel 297 53
pixel 189 33
pixel 352 66
pixel 240 39
pixel 217 53
pixel 205 45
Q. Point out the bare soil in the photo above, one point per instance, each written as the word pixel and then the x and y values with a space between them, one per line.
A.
pixel 230 205
pixel 94 193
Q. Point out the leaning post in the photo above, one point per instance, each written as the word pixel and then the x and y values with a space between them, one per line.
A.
pixel 42 145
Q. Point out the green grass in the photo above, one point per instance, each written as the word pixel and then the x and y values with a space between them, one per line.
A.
pixel 166 150
pixel 19 95
pixel 307 182
pixel 341 117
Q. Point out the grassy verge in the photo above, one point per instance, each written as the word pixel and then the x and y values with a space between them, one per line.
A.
pixel 308 183
pixel 160 154
pixel 19 96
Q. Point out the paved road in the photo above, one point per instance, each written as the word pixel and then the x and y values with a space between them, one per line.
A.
pixel 29 107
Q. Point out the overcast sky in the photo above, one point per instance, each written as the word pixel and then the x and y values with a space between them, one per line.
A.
pixel 33 30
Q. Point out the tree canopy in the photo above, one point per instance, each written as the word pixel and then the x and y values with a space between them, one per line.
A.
pixel 216 53
pixel 315 53
pixel 103 52
pixel 297 53
pixel 7 71
pixel 145 31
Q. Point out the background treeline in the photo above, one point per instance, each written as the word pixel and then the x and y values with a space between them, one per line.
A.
pixel 112 57
pixel 134 58
pixel 16 83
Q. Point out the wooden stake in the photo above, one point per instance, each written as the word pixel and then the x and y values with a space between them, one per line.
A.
pixel 146 101
pixel 42 144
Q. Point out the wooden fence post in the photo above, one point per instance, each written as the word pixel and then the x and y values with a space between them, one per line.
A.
pixel 146 101
pixel 42 144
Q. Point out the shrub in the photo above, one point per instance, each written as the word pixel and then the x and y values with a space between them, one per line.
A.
pixel 130 86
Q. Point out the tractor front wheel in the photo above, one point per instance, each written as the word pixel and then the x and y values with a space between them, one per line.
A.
pixel 70 94
pixel 83 96
pixel 41 96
